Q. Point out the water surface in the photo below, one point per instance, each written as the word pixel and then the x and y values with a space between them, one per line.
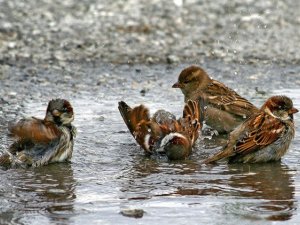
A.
pixel 109 172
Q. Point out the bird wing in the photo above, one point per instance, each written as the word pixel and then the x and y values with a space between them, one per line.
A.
pixel 262 131
pixel 226 99
pixel 189 123
pixel 34 130
pixel 149 134
pixel 191 108
pixel 259 131
pixel 138 121
pixel 133 116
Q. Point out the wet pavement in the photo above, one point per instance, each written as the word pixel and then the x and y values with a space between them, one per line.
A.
pixel 146 31
pixel 110 173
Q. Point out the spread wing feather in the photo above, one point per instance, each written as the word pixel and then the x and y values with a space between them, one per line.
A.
pixel 140 125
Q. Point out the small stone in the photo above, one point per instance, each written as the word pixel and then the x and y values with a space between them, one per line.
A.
pixel 12 93
pixel 31 72
pixel 260 91
pixel 11 44
pixel 136 213
pixel 143 92
pixel 171 59
pixel 150 60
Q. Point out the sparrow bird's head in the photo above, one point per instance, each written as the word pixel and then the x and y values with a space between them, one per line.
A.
pixel 60 112
pixel 280 107
pixel 191 79
pixel 175 146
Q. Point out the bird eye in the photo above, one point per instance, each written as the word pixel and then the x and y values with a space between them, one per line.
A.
pixel 191 79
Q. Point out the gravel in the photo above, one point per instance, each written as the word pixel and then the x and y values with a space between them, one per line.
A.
pixel 149 31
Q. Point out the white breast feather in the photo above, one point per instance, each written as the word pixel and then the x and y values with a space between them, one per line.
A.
pixel 169 137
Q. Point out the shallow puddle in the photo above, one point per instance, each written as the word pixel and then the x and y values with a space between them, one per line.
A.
pixel 109 172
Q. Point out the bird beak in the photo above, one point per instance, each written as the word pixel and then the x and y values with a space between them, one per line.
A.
pixel 293 110
pixel 55 112
pixel 177 85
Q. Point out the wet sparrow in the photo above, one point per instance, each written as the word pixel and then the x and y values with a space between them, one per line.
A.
pixel 264 137
pixel 40 142
pixel 224 108
pixel 163 133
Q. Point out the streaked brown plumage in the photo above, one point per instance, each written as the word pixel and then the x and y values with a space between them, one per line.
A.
pixel 40 142
pixel 162 132
pixel 264 137
pixel 224 108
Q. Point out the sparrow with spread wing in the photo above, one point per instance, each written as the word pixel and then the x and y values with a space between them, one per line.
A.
pixel 163 133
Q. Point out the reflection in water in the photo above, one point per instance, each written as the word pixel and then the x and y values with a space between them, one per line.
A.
pixel 270 182
pixel 150 177
pixel 258 191
pixel 48 191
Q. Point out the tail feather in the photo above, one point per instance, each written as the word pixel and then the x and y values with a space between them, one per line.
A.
pixel 223 154
pixel 5 160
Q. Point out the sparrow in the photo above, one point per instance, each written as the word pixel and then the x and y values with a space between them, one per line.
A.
pixel 163 133
pixel 224 108
pixel 42 141
pixel 263 137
